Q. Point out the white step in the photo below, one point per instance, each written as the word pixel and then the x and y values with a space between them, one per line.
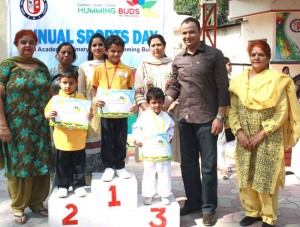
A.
pixel 111 204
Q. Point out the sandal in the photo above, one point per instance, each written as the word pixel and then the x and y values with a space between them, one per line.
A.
pixel 43 212
pixel 20 219
pixel 224 174
pixel 229 169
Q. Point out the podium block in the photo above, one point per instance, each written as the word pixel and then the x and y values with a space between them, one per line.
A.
pixel 116 194
pixel 111 204
pixel 157 214
pixel 71 211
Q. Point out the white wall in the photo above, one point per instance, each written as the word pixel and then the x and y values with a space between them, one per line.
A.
pixel 240 8
pixel 260 26
pixel 228 40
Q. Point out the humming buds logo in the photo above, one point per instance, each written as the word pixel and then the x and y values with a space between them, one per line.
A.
pixel 146 7
pixel 123 99
pixel 161 142
pixel 33 9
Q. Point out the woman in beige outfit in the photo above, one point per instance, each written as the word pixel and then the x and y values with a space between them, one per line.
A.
pixel 156 70
pixel 86 73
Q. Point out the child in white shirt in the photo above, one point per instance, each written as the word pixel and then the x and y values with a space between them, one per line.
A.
pixel 152 133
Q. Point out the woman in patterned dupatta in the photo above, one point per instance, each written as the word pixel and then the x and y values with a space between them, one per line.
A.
pixel 24 132
pixel 264 116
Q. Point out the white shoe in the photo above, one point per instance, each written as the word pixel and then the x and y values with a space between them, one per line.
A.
pixel 62 193
pixel 148 200
pixel 81 192
pixel 165 201
pixel 108 175
pixel 122 173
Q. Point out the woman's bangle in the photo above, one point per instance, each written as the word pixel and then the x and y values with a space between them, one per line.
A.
pixel 2 128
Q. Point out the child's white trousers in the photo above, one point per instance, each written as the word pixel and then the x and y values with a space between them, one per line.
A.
pixel 163 170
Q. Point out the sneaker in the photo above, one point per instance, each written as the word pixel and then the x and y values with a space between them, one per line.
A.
pixel 122 173
pixel 108 175
pixel 62 193
pixel 148 200
pixel 80 192
pixel 165 201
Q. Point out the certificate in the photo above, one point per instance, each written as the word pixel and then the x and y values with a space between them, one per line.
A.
pixel 156 148
pixel 117 103
pixel 71 113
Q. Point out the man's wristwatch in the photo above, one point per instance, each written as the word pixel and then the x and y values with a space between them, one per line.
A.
pixel 221 118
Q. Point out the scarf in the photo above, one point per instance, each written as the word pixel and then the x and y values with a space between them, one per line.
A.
pixel 23 60
pixel 155 61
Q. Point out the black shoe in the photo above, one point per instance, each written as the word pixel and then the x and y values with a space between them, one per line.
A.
pixel 266 224
pixel 249 220
pixel 188 209
pixel 209 219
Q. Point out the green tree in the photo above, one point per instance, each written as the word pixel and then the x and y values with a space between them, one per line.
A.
pixel 193 8
pixel 188 7
pixel 222 12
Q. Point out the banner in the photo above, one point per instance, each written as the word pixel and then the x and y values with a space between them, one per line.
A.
pixel 288 36
pixel 75 21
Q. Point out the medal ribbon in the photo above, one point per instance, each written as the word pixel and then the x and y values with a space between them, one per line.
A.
pixel 112 79
pixel 156 122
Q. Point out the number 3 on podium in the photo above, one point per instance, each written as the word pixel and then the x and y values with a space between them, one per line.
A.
pixel 159 216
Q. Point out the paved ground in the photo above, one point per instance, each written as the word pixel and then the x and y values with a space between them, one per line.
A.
pixel 229 211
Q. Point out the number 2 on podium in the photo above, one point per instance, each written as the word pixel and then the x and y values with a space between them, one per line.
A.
pixel 67 220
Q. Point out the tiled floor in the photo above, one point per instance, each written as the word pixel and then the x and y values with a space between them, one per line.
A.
pixel 229 211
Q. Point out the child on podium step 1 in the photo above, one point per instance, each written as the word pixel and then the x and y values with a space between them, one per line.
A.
pixel 69 142
pixel 152 133
pixel 113 74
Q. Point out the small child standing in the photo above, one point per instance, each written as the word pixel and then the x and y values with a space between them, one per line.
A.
pixel 151 124
pixel 113 74
pixel 69 143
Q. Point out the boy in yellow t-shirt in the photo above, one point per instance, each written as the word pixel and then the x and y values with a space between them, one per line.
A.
pixel 69 143
pixel 113 74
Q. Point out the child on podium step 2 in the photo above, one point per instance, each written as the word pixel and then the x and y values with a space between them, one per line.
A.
pixel 69 142
pixel 113 74
pixel 153 133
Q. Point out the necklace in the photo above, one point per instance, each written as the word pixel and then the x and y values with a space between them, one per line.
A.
pixel 29 67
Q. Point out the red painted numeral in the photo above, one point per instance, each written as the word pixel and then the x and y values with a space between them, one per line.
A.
pixel 113 202
pixel 159 216
pixel 67 220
